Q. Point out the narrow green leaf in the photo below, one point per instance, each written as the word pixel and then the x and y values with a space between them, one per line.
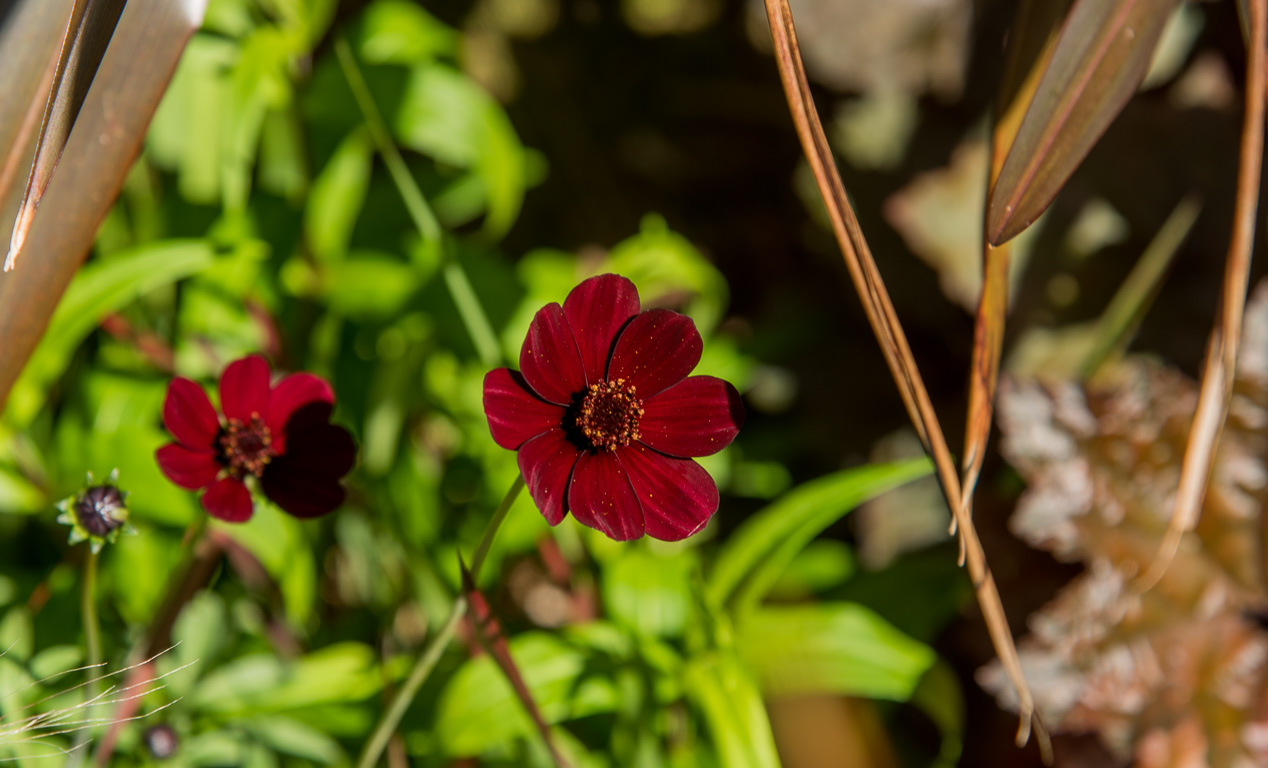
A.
pixel 99 289
pixel 337 196
pixel 755 556
pixel 1100 59
pixel 1132 300
pixel 839 648
pixel 721 688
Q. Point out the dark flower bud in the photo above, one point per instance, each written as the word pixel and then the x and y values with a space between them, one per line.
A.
pixel 162 741
pixel 97 513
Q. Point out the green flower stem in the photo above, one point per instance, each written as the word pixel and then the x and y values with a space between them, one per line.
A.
pixel 92 648
pixel 464 296
pixel 88 609
pixel 439 642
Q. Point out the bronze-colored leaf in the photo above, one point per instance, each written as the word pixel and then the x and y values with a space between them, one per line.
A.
pixel 1098 62
pixel 97 156
pixel 1031 41
pixel 84 40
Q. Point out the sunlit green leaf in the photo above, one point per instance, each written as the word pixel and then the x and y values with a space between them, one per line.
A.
pixel 478 710
pixel 98 290
pixel 838 648
pixel 756 554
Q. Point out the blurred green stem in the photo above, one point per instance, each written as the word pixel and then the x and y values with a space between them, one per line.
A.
pixel 88 607
pixel 464 296
pixel 92 647
pixel 439 642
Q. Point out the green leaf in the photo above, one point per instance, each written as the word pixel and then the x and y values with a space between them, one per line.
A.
pixel 292 737
pixel 99 289
pixel 337 196
pixel 17 635
pixel 445 115
pixel 261 683
pixel 662 262
pixel 839 648
pixel 719 686
pixel 648 592
pixel 1100 59
pixel 401 32
pixel 199 631
pixel 479 711
pixel 754 557
pixel 57 659
pixel 19 496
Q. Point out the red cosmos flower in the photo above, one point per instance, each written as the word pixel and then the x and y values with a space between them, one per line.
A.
pixel 281 435
pixel 605 420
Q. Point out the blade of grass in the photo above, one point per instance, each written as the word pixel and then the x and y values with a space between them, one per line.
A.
pixel 1122 317
pixel 1098 62
pixel 893 342
pixel 1221 357
pixel 1031 41
pixel 84 41
pixel 97 157
pixel 469 308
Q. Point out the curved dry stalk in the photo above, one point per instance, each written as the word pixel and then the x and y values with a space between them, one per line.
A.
pixel 1031 41
pixel 880 313
pixel 1221 353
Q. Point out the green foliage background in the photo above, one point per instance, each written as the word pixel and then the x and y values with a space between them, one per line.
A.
pixel 264 216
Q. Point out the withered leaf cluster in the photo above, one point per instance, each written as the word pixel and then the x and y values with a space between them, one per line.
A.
pixel 1176 675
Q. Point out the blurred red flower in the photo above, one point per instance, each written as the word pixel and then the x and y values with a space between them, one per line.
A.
pixel 280 434
pixel 605 420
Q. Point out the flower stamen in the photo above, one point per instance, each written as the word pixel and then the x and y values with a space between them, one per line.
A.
pixel 609 414
pixel 247 446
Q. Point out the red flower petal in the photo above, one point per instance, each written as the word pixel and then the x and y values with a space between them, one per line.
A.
pixel 188 469
pixel 549 359
pixel 244 388
pixel 596 310
pixel 600 497
pixel 300 492
pixel 317 451
pixel 656 351
pixel 188 415
pixel 302 397
pixel 677 495
pixel 546 462
pixel 515 414
pixel 696 417
pixel 229 500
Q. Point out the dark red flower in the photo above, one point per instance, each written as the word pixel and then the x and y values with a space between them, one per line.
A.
pixel 605 420
pixel 280 434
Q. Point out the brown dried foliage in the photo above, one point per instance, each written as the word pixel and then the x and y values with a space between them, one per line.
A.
pixel 1176 675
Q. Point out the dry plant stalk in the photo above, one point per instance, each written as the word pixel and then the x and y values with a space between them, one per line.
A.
pixel 1221 358
pixel 880 313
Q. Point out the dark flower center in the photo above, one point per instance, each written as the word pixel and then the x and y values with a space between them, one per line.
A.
pixel 609 414
pixel 98 510
pixel 246 447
